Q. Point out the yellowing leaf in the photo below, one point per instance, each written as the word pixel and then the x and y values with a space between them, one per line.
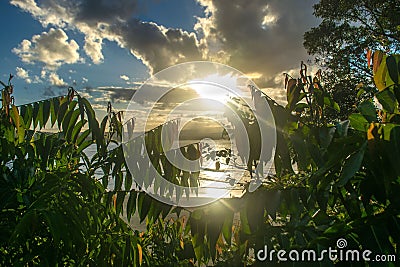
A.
pixel 377 59
pixel 140 251
pixel 370 132
pixel 380 74
pixel 15 115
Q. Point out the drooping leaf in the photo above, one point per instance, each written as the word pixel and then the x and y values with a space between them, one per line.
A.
pixel 326 136
pixel 227 227
pixel 40 117
pixel 352 166
pixel 359 122
pixel 387 99
pixel 131 205
pixel 71 124
pixel 143 205
pixel 35 114
pixel 27 115
pixel 392 69
pixel 140 254
pixel 46 111
pixel 19 123
pixel 62 111
pixel 292 93
pixel 77 130
pixel 342 128
pixel 54 107
pixel 368 110
pixel 119 202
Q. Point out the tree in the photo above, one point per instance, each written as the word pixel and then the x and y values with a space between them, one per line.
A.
pixel 340 44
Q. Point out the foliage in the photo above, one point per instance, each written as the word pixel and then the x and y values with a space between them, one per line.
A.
pixel 340 41
pixel 345 184
pixel 334 179
pixel 53 208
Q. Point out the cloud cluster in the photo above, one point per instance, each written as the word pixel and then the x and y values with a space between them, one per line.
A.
pixel 262 38
pixel 24 74
pixel 56 80
pixel 257 36
pixel 158 47
pixel 51 48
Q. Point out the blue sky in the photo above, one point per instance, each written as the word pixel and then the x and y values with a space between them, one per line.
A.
pixel 106 48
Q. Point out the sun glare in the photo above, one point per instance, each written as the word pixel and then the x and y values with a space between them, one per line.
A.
pixel 215 87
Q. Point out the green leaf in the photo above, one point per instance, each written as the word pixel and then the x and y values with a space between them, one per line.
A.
pixel 27 115
pixel 368 110
pixel 143 205
pixel 46 111
pixel 119 202
pixel 197 228
pixel 342 128
pixel 392 69
pixel 396 90
pixel 387 99
pixel 128 180
pixel 35 114
pixel 81 107
pixel 358 122
pixel 329 102
pixel 40 117
pixel 54 107
pixel 352 166
pixel 19 123
pixel 300 107
pixel 380 70
pixel 77 130
pixel 245 226
pixel 93 123
pixel 227 227
pixel 293 93
pixel 71 124
pixel 131 205
pixel 325 136
pixel 82 137
pixel 83 145
pixel 61 111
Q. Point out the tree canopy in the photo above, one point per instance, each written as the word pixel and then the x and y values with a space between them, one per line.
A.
pixel 340 43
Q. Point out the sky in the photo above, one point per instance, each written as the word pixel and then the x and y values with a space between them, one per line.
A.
pixel 106 49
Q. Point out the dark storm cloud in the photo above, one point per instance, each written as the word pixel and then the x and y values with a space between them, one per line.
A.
pixel 258 36
pixel 94 11
pixel 156 46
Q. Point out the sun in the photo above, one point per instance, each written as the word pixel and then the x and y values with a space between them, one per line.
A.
pixel 215 87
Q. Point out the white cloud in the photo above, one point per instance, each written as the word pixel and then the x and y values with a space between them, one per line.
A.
pixel 43 74
pixel 21 73
pixel 51 48
pixel 124 77
pixel 93 48
pixel 56 80
pixel 24 74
